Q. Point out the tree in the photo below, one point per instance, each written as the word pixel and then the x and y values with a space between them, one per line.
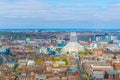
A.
pixel 114 57
pixel 90 53
pixel 65 60
pixel 56 59
pixel 15 66
pixel 31 52
pixel 81 53
pixel 0 46
pixel 67 52
pixel 89 78
pixel 39 61
pixel 58 50
pixel 86 50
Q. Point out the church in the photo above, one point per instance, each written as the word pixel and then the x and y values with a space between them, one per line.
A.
pixel 73 47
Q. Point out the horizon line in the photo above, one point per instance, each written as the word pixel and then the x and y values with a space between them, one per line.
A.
pixel 55 28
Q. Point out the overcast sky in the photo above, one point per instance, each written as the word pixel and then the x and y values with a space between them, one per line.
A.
pixel 59 14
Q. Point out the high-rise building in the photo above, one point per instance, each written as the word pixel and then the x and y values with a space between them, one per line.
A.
pixel 73 37
pixel 85 37
pixel 113 37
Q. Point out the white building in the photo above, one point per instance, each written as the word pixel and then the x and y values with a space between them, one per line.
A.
pixel 97 75
pixel 30 62
pixel 113 37
pixel 22 62
pixel 11 64
pixel 43 50
pixel 73 46
pixel 94 46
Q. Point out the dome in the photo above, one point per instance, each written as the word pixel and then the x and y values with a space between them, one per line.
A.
pixel 73 47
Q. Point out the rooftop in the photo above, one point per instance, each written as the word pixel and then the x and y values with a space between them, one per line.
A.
pixel 111 72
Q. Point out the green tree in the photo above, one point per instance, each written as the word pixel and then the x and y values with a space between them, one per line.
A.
pixel 89 78
pixel 15 66
pixel 67 52
pixel 31 52
pixel 114 57
pixel 0 46
pixel 56 59
pixel 65 60
pixel 58 50
pixel 90 53
pixel 81 53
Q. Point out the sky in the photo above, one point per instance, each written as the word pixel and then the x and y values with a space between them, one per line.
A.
pixel 59 14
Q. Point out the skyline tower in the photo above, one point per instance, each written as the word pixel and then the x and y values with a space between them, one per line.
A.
pixel 73 37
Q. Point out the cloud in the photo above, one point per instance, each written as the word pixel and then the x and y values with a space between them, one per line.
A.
pixel 49 11
pixel 111 13
pixel 24 8
pixel 38 12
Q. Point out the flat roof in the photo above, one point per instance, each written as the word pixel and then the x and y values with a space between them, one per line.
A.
pixel 111 72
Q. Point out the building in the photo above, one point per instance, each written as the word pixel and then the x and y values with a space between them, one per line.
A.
pixel 100 67
pixel 73 47
pixel 111 74
pixel 28 77
pixel 94 45
pixel 86 37
pixel 73 37
pixel 73 73
pixel 97 75
pixel 97 52
pixel 5 51
pixel 41 78
pixel 22 62
pixel 116 66
pixel 11 64
pixel 30 62
pixel 43 50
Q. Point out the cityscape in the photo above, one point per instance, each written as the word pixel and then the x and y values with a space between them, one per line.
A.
pixel 59 54
pixel 59 39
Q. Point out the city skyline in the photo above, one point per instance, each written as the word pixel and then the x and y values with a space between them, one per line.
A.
pixel 59 54
pixel 60 14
